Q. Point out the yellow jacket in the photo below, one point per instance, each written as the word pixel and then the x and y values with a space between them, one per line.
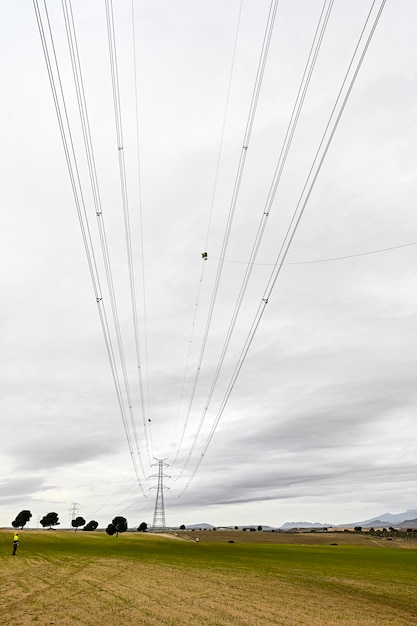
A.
pixel 16 537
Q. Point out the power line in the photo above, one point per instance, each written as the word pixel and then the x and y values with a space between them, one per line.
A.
pixel 238 179
pixel 302 91
pixel 73 170
pixel 226 109
pixel 327 260
pixel 82 105
pixel 216 175
pixel 185 374
pixel 146 423
pixel 117 492
pixel 111 36
pixel 88 144
pixel 298 213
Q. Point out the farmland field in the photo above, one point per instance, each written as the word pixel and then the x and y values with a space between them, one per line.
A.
pixel 66 579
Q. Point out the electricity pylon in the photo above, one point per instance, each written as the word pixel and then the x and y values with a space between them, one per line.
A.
pixel 159 513
pixel 73 511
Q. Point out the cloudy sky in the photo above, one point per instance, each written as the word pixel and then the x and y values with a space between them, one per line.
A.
pixel 188 136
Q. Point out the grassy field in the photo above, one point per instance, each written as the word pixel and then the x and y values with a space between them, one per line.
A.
pixel 67 578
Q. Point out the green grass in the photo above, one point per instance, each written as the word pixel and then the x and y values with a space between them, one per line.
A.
pixel 376 576
pixel 385 566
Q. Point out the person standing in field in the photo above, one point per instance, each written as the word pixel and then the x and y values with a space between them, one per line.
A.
pixel 15 543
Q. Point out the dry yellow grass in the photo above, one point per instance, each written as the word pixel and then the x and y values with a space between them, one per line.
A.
pixel 46 584
pixel 307 538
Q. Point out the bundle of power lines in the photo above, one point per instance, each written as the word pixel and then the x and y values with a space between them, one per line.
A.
pixel 186 452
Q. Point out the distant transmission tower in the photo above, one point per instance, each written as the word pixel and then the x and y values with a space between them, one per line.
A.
pixel 159 513
pixel 73 511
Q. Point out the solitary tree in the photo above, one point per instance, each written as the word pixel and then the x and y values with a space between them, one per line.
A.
pixel 77 522
pixel 143 527
pixel 21 519
pixel 91 525
pixel 118 525
pixel 182 527
pixel 49 520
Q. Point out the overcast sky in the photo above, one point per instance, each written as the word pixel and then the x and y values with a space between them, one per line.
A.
pixel 320 424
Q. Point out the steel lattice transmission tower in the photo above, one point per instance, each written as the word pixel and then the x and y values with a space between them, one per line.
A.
pixel 74 510
pixel 159 513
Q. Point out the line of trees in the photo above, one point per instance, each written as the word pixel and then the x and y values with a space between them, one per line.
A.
pixel 50 520
pixel 80 521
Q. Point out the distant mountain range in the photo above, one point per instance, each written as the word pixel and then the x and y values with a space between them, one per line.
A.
pixel 289 525
pixel 205 526
pixel 406 519
pixel 389 518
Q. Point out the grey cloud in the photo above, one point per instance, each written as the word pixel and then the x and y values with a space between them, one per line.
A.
pixel 41 455
pixel 323 407
pixel 16 488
